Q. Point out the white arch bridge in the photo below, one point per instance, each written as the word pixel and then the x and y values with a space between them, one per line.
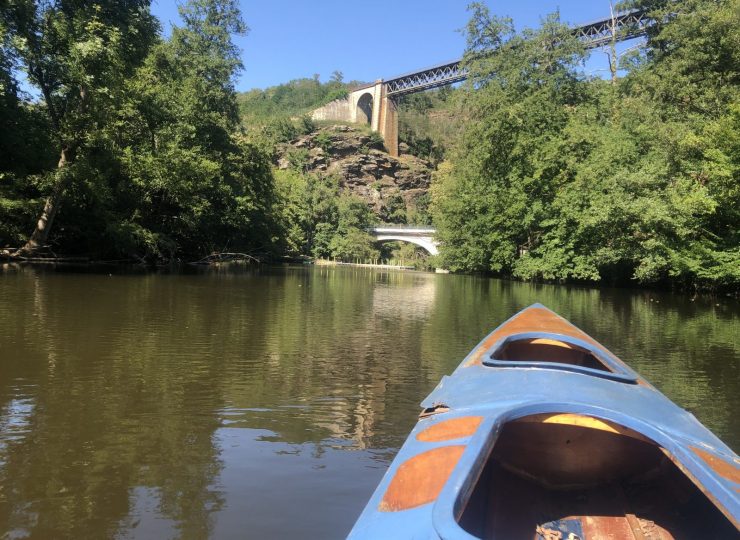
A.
pixel 420 236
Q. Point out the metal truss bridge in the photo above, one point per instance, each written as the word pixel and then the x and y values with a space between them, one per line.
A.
pixel 595 34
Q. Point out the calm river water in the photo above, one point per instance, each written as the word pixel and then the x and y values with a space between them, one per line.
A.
pixel 268 403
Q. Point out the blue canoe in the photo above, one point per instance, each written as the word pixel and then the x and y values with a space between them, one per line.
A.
pixel 542 434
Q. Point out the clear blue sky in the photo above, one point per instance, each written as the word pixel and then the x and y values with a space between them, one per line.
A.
pixel 289 39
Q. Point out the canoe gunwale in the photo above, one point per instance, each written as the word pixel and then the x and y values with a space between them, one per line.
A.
pixel 617 371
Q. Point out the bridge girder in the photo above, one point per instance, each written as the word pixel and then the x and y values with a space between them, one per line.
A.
pixel 426 79
pixel 626 26
pixel 594 34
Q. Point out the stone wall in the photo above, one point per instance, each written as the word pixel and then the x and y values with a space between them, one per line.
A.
pixel 367 104
pixel 339 110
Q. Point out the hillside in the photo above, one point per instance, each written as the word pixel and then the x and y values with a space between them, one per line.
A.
pixel 429 122
pixel 395 188
pixel 289 100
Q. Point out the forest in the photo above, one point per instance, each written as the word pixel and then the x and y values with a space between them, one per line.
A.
pixel 124 142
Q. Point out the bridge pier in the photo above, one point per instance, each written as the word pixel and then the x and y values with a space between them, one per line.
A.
pixel 388 125
pixel 371 105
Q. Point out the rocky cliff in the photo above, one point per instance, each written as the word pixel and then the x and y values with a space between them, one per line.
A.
pixel 357 159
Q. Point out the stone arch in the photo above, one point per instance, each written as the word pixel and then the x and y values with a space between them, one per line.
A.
pixel 426 243
pixel 365 108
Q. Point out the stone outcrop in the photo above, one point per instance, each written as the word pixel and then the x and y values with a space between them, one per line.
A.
pixel 361 166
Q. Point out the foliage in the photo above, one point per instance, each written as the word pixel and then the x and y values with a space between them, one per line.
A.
pixel 298 159
pixel 323 140
pixel 320 220
pixel 430 123
pixel 351 240
pixel 306 125
pixel 199 185
pixel 155 165
pixel 376 140
pixel 419 213
pixel 394 210
pixel 25 155
pixel 294 99
pixel 560 177
pixel 406 254
pixel 78 57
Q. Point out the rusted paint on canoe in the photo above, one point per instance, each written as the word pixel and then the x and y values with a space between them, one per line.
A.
pixel 533 319
pixel 448 430
pixel 727 470
pixel 419 480
pixel 628 527
pixel 699 484
pixel 607 527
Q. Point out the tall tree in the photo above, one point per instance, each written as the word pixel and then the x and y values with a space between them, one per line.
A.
pixel 77 54
pixel 562 177
pixel 196 184
pixel 521 87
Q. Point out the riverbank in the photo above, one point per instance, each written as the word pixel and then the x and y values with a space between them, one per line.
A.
pixel 212 260
pixel 327 262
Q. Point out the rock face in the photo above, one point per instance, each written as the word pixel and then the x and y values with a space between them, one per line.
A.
pixel 357 160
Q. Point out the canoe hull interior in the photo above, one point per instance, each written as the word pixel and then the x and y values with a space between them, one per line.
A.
pixel 542 478
pixel 549 350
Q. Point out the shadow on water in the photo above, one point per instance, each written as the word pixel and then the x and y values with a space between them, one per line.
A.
pixel 267 402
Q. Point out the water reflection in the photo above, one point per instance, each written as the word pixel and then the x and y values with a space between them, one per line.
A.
pixel 268 402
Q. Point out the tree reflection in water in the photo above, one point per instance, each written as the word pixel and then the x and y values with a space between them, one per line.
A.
pixel 268 402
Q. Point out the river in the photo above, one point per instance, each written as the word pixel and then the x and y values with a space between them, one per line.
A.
pixel 267 403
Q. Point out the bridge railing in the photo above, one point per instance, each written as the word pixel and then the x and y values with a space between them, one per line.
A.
pixel 409 229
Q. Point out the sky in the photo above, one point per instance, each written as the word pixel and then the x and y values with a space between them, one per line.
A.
pixel 366 41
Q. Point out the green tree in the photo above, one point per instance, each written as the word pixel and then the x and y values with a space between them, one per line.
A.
pixel 24 148
pixel 692 82
pixel 490 205
pixel 306 212
pixel 78 55
pixel 561 177
pixel 351 239
pixel 196 185
pixel 292 211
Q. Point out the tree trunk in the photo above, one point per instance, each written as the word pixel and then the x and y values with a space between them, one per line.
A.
pixel 51 207
pixel 613 60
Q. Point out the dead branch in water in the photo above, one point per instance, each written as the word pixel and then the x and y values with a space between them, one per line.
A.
pixel 225 257
pixel 16 255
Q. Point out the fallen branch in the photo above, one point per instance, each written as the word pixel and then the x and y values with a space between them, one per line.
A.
pixel 18 255
pixel 223 257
